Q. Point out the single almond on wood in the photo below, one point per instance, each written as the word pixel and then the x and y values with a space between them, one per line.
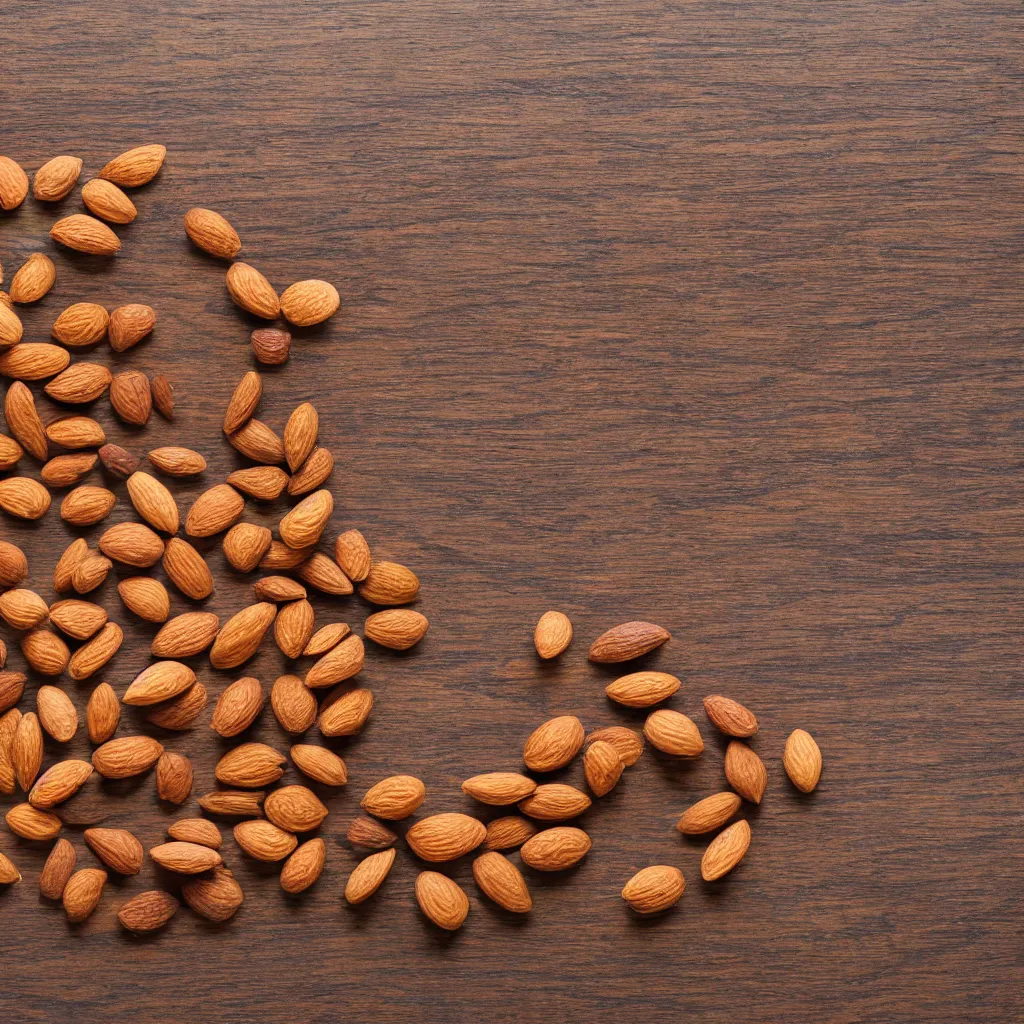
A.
pixel 23 497
pixel 129 324
pixel 153 502
pixel 304 866
pixel 131 397
pixel 127 756
pixel 216 896
pixel 300 435
pixel 79 383
pixel 642 689
pixel 673 733
pixel 508 833
pixel 745 771
pixel 499 788
pixel 729 717
pixel 389 583
pixel 237 707
pixel 368 876
pixel 214 510
pixel 278 588
pixel 264 840
pixel 602 767
pixel 117 848
pixel 147 912
pixel 244 400
pixel 249 289
pixel 23 609
pixel 186 635
pixel 136 166
pixel 554 744
pixel 146 597
pixel 118 461
pixel 265 483
pixel 163 396
pixel 132 544
pixel 28 822
pixel 35 277
pixel 196 830
pixel 102 713
pixel 176 461
pixel 312 473
pixel 104 199
pixel 345 713
pixel 442 900
pixel 555 802
pixel 80 619
pixel 245 544
pixel 82 893
pixel 251 766
pixel 445 836
pixel 309 302
pixel 370 834
pixel 185 858
pixel 85 234
pixel 654 889
pixel 555 849
pixel 58 783
pixel 34 361
pixel 87 505
pixel 397 628
pixel 394 798
pixel 80 325
pixel 294 808
pixel 241 635
pixel 174 777
pixel 76 432
pixel 552 635
pixel 802 760
pixel 212 233
pixel 708 814
pixel 56 178
pixel 727 849
pixel 23 420
pixel 180 713
pixel 320 764
pixel 271 345
pixel 11 329
pixel 500 880
pixel 627 641
pixel 294 704
pixel 59 867
pixel 91 657
pixel 160 681
pixel 57 715
pixel 187 569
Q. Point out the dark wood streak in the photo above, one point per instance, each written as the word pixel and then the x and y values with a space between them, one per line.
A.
pixel 706 313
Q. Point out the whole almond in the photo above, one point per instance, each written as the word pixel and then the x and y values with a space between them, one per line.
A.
pixel 294 704
pixel 216 896
pixel 147 912
pixel 59 867
pixel 91 657
pixel 136 166
pixel 237 707
pixel 90 572
pixel 76 432
pixel 745 771
pixel 146 597
pixel 35 277
pixel 256 441
pixel 212 233
pixel 264 483
pixel 45 652
pixel 552 635
pixel 81 325
pixel 397 628
pixel 244 400
pixel 304 866
pixel 338 664
pixel 176 461
pixel 642 689
pixel 264 841
pixel 729 717
pixel 500 880
pixel 58 783
pixel 309 302
pixel 13 184
pixel 131 397
pixel 117 848
pixel 508 833
pixel 128 325
pixel 11 328
pixel 294 808
pixel 654 889
pixel 163 396
pixel 153 502
pixel 82 893
pixel 8 727
pixel 499 788
pixel 196 830
pixel 389 583
pixel 281 557
pixel 602 767
pixel 323 573
pixel 73 555
pixel 185 858
pixel 66 470
pixel 23 609
pixel 173 777
pixel 10 453
pixel 555 802
pixel 13 565
pixel 673 733
pixel 368 876
pixel 23 420
pixel 9 874
pixel 180 713
pixel 57 715
pixel 127 756
pixel 249 289
pixel 214 510
pixel 320 764
pixel 278 588
pixel 233 803
pixel 394 798
pixel 345 714
pixel 554 744
pixel 445 836
pixel 304 524
pixel 56 178
pixel 245 544
pixel 326 638
pixel 300 435
pixel 104 199
pixel 627 641
pixel 442 900
pixel 727 849
pixel 270 345
pixel 293 628
pixel 87 505
pixel 708 814
pixel 370 834
pixel 85 234
pixel 118 461
pixel 23 497
pixel 186 635
pixel 160 681
pixel 312 473
pixel 555 849
pixel 251 766
pixel 34 361
pixel 241 635
pixel 28 822
pixel 802 760
pixel 79 383
pixel 187 569
pixel 102 713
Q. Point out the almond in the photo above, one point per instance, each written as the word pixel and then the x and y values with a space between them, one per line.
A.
pixel 553 744
pixel 82 893
pixel 278 588
pixel 745 771
pixel 79 619
pixel 28 822
pixel 13 564
pixel 131 397
pixel 196 830
pixel 729 717
pixel 673 733
pixel 346 714
pixel 326 638
pixel 394 798
pixel 245 544
pixel 309 302
pixel 73 555
pixel 370 834
pixel 249 289
pixel 244 400
pixel 76 432
pixel 508 833
pixel 163 396
pixel 500 880
pixel 118 461
pixel 212 233
pixel 23 609
pixel 9 874
pixel 180 712
pixel 446 836
pixel 499 788
pixel 104 199
pixel 186 635
pixel 232 803
pixel 102 713
pixel 256 441
pixel 320 764
pixel 45 652
pixel 270 345
pixel 33 361
pixel 148 911
pixel 555 849
pixel 85 234
pixel 59 867
pixel 27 750
pixel 173 777
pixel 13 184
pixel 57 715
pixel 91 657
pixel 442 900
pixel 389 583
pixel 627 641
pixel 294 627
pixel 160 681
pixel 293 703
pixel 146 597
pixel 216 896
pixel 312 473
pixel 368 876
pixel 128 325
pixel 727 849
pixel 176 461
pixel 241 635
pixel 11 329
pixel 654 889
pixel 262 482
pixel 117 848
pixel 552 635
pixel 136 166
pixel 555 802
pixel 185 858
pixel 213 511
pixel 398 628
pixel 58 783
pixel 79 383
pixel 304 524
pixel 65 470
pixel 642 689
pixel 90 573
pixel 264 841
pixel 23 497
pixel 280 556
pixel 294 808
pixel 153 502
pixel 10 453
pixel 300 435
pixel 56 178
pixel 338 664
pixel 35 277
pixel 238 707
pixel 127 756
pixel 708 814
pixel 602 767
pixel 23 420
pixel 80 325
pixel 187 569
pixel 251 765
pixel 8 727
pixel 802 760
pixel 323 573
pixel 87 505
pixel 304 866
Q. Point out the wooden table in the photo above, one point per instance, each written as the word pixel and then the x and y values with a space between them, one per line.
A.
pixel 708 314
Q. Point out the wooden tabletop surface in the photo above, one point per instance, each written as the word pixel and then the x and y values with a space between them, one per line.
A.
pixel 708 314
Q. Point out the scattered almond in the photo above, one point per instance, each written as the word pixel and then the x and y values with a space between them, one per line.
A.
pixel 802 760
pixel 87 505
pixel 58 783
pixel 249 289
pixel 81 325
pixel 56 178
pixel 266 483
pixel 627 641
pixel 654 889
pixel 294 808
pixel 196 830
pixel 57 714
pixel 554 744
pixel 102 713
pixel 270 345
pixel 238 707
pixel 212 233
pixel 673 733
pixel 135 167
pixel 251 766
pixel 320 764
pixel 185 858
pixel 293 628
pixel 397 628
pixel 85 234
pixel 163 396
pixel 23 420
pixel 59 867
pixel 127 756
pixel 309 302
pixel 552 635
pixel 500 880
pixel 370 834
pixel 344 713
pixel 216 896
pixel 174 778
pixel 186 635
pixel 131 397
pixel 176 461
pixel 389 583
pixel 28 822
pixel 79 383
pixel 117 848
pixel 555 849
pixel 745 771
pixel 708 814
pixel 160 681
pixel 13 184
pixel 186 568
pixel 338 664
pixel 294 704
pixel 727 849
pixel 146 597
pixel 729 717
pixel 128 325
pixel 214 510
pixel 394 798
pixel 323 573
pixel 442 900
pixel 508 833
pixel 76 432
pixel 23 497
pixel 312 473
pixel 82 893
pixel 499 788
pixel 118 461
pixel 602 767
pixel 104 199
pixel 446 836
pixel 555 802
pixel 27 750
pixel 245 544
pixel 642 689
pixel 180 713
pixel 241 635
pixel 264 840
pixel 148 911
pixel 304 866
pixel 34 279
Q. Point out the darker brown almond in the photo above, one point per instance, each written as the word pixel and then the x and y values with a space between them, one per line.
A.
pixel 251 766
pixel 127 756
pixel 554 744
pixel 241 635
pixel 627 641
pixel 249 289
pixel 187 569
pixel 352 553
pixel 132 544
pixel 147 912
pixel 389 583
pixel 212 233
pixel 708 814
pixel 446 836
pixel 271 346
pixel 745 771
pixel 131 397
pixel 312 473
pixel 397 628
pixel 186 635
pixel 238 707
pixel 265 483
pixel 729 717
pixel 173 777
pixel 214 510
pixel 370 834
pixel 117 848
pixel 294 704
pixel 244 400
pixel 185 858
pixel 128 325
pixel 245 544
pixel 160 681
pixel 82 893
pixel 59 867
pixel 118 461
pixel 180 712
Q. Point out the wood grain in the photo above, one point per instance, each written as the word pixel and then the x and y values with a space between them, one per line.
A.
pixel 706 313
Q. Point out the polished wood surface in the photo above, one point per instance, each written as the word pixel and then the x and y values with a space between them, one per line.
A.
pixel 703 313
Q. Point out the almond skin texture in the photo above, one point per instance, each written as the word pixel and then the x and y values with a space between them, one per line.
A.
pixel 251 766
pixel 23 609
pixel 708 814
pixel 442 900
pixel 249 289
pixel 76 432
pixel 509 833
pixel 654 889
pixel 554 744
pixel 802 760
pixel 294 704
pixel 232 803
pixel 555 849
pixel 320 764
pixel 300 435
pixel 265 483
pixel 180 712
pixel 160 681
pixel 81 325
pixel 148 911
pixel 90 573
pixel 370 834
pixel 271 346
pixel 117 848
pixel 445 836
pixel 212 233
pixel 555 802
pixel 499 789
pixel 177 461
pixel 305 523
pixel 56 178
pixel 745 771
pixel 323 573
pixel 187 569
pixel 256 441
pixel 368 876
pixel 394 798
pixel 131 397
pixel 673 733
pixel 35 277
pixel 82 893
pixel 278 588
pixel 13 184
pixel 238 707
pixel 8 726
pixel 57 715
pixel 23 420
pixel 346 714
pixel 389 583
pixel 59 867
pixel 106 201
pixel 500 880
pixel 45 652
pixel 11 328
pixel 326 638
pixel 118 461
pixel 186 635
pixel 214 510
pixel 552 635
pixel 185 858
pixel 727 849
pixel 79 383
pixel 312 473
pixel 23 497
pixel 127 756
pixel 304 866
pixel 216 896
pixel 338 664
pixel 309 302
pixel 642 689
pixel 34 361
pixel 294 627
pixel 13 564
pixel 602 767
pixel 281 557
pixel 244 400
pixel 397 628
pixel 146 597
pixel 163 396
pixel 264 840
pixel 27 750
pixel 91 657
pixel 241 635
pixel 294 808
pixel 196 830
pixel 102 713
pixel 9 874
pixel 136 166
pixel 128 325
pixel 245 544
pixel 85 234
pixel 729 717
pixel 87 505
pixel 132 544
pixel 66 470
pixel 59 783
pixel 174 778
pixel 10 453
pixel 627 641
pixel 29 822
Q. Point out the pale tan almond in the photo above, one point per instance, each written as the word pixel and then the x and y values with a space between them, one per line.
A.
pixel 249 289
pixel 730 717
pixel 673 733
pixel 326 638
pixel 147 912
pixel 87 505
pixel 389 583
pixel 35 277
pixel 186 635
pixel 28 822
pixel 82 893
pixel 323 573
pixel 180 713
pixel 196 830
pixel 708 814
pixel 212 233
pixel 294 808
pixel 106 201
pixel 627 641
pixel 70 559
pixel 13 184
pixel 66 470
pixel 304 866
pixel 76 432
pixel 241 636
pixel 394 798
pixel 554 744
pixel 185 858
pixel 117 848
pixel 160 681
pixel 214 510
pixel 23 609
pixel 745 771
pixel 338 664
pixel 368 876
pixel 312 473
pixel 56 178
pixel 238 707
pixel 500 880
pixel 555 849
pixel 446 836
pixel 320 764
pixel 85 234
pixel 264 841
pixel 163 396
pixel 81 325
pixel 57 714
pixel 278 589
pixel 442 900
pixel 642 689
pixel 91 657
pixel 552 635
pixel 153 502
pixel 102 713
pixel 59 867
pixel 131 397
pixel 802 760
pixel 187 569
pixel 245 544
pixel 90 572
pixel 58 783
pixel 397 628
pixel 23 497
pixel 176 461
pixel 655 889
pixel 79 383
pixel 309 302
pixel 300 435
pixel 173 777
pixel 129 324
pixel 146 597
pixel 271 345
pixel 370 834
pixel 508 833
pixel 251 766
pixel 727 849
pixel 602 767
pixel 265 483
pixel 127 756
pixel 555 802
pixel 293 703
pixel 233 803
pixel 45 652
pixel 23 420
pixel 215 896
pixel 345 712
pixel 136 166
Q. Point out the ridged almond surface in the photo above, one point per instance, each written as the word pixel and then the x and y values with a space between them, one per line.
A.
pixel 370 834
pixel 602 767
pixel 241 635
pixel 187 569
pixel 176 461
pixel 79 383
pixel 214 510
pixel 500 880
pixel 233 803
pixel 196 830
pixel 9 874
pixel 66 470
pixel 102 713
pixel 13 565
pixel 105 200
pixel 11 453
pixel 160 681
pixel 278 588
pixel 163 396
pixel 338 664
pixel 135 167
pixel 87 505
pixel 320 764
pixel 35 361
pixel 245 544
pixel 216 896
pixel 293 627
pixel 186 635
pixel 346 714
pixel 294 704
pixel 117 848
pixel 251 766
pixel 180 713
pixel 45 652
pixel 85 234
pixel 146 597
pixel 132 544
pixel 708 814
pixel 326 638
pixel 127 756
pixel 312 473
pixel 555 802
pixel 552 634
pixel 82 893
pixel 555 849
pixel 727 849
pixel 281 557
pixel 28 822
pixel 11 328
pixel 271 345
pixel 442 900
pixel 76 432
pixel 57 714
pixel 212 233
pixel 59 867
pixel 90 572
pixel 23 420
pixel 300 433
pixel 35 277
pixel 627 641
pixel 673 733
pixel 642 689
pixel 237 707
pixel 174 777
pixel 27 750
pixel 23 609
pixel 244 400
pixel 131 397
pixel 499 789
pixel 389 583
pixel 394 798
pixel 654 889
pixel 730 717
pixel 294 808
pixel 56 178
pixel 81 325
pixel 309 302
pixel 304 866
pixel 147 912
pixel 129 324
pixel 802 760
pixel 745 771
pixel 445 836
pixel 368 876
pixel 264 840
pixel 265 483
pixel 554 744
pixel 185 858
pixel 13 184
pixel 323 573
pixel 304 524
pixel 396 628
pixel 58 783
pixel 8 727
pixel 23 497
pixel 509 833
pixel 249 289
